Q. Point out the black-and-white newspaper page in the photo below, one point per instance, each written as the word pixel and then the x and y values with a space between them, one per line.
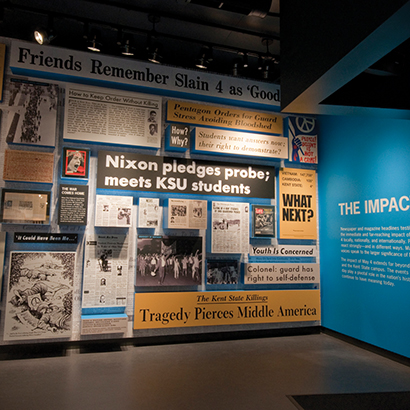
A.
pixel 149 213
pixel 113 211
pixel 105 271
pixel 110 116
pixel 39 295
pixel 230 227
pixel 187 214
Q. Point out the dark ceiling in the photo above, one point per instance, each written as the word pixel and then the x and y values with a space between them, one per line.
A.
pixel 385 84
pixel 235 28
pixel 345 57
pixel 230 28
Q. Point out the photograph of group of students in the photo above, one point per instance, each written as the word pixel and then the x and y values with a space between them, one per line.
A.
pixel 169 261
pixel 32 111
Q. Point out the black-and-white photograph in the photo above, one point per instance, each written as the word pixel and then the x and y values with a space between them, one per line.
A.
pixel 124 216
pixel 222 272
pixel 169 261
pixel 226 224
pixel 152 116
pixel 153 129
pixel 197 212
pixel 104 260
pixel 39 295
pixel 178 210
pixel 32 113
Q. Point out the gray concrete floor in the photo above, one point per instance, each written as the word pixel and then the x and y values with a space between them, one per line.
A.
pixel 241 374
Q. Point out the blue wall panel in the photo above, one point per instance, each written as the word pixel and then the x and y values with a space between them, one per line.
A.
pixel 364 159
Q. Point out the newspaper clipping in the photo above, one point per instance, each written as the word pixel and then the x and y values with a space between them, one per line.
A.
pixel 113 211
pixel 230 227
pixel 149 213
pixel 112 116
pixel 105 271
pixel 25 207
pixel 28 166
pixel 187 214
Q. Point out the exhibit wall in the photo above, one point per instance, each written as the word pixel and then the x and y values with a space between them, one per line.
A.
pixel 140 200
pixel 364 182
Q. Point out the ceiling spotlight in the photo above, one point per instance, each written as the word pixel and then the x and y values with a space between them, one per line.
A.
pixel 236 66
pixel 267 42
pixel 243 57
pixel 126 49
pixel 245 63
pixel 268 67
pixel 45 35
pixel 153 45
pixel 154 56
pixel 126 46
pixel 40 35
pixel 260 63
pixel 204 58
pixel 94 44
pixel 265 72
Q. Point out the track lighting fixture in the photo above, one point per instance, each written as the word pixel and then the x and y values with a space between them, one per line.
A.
pixel 268 67
pixel 44 35
pixel 154 56
pixel 268 60
pixel 94 43
pixel 267 42
pixel 153 45
pixel 126 44
pixel 236 66
pixel 240 63
pixel 266 70
pixel 245 63
pixel 204 58
pixel 126 48
pixel 260 63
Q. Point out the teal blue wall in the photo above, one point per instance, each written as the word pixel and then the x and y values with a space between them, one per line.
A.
pixel 362 159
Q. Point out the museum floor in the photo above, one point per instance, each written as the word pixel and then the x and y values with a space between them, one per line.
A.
pixel 238 374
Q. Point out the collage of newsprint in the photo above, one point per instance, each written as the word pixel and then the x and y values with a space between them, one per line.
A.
pixel 122 205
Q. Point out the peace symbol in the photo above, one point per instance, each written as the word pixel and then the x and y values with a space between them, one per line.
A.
pixel 305 124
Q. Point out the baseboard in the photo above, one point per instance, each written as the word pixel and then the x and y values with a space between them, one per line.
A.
pixel 367 346
pixel 54 349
